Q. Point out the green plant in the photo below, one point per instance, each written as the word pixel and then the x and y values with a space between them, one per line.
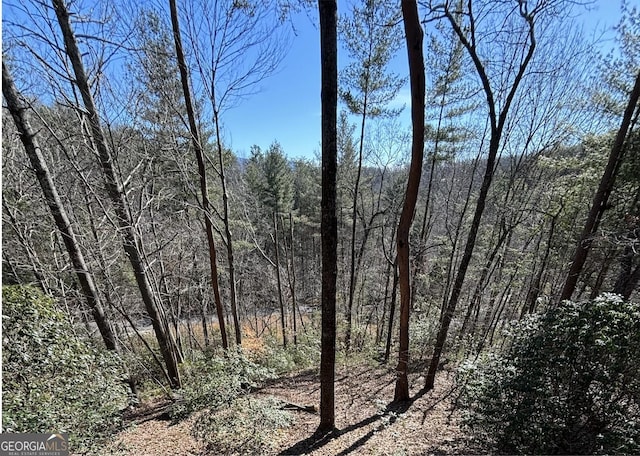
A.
pixel 570 383
pixel 211 382
pixel 281 360
pixel 246 426
pixel 54 380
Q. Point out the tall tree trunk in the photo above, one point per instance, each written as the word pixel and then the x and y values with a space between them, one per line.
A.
pixel 599 203
pixel 392 311
pixel 18 108
pixel 497 120
pixel 130 240
pixel 202 172
pixel 328 13
pixel 227 228
pixel 353 272
pixel 291 274
pixel 283 320
pixel 414 36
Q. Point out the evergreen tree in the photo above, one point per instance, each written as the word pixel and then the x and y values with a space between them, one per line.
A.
pixel 371 37
pixel 271 179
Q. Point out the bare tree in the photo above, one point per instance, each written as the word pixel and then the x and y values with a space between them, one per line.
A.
pixel 499 96
pixel 131 242
pixel 600 198
pixel 18 109
pixel 202 173
pixel 235 46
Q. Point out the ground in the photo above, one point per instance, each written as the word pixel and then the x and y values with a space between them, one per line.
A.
pixel 367 422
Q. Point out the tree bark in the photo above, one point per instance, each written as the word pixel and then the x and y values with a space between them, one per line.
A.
pixel 131 242
pixel 204 193
pixel 279 280
pixel 291 273
pixel 599 203
pixel 327 11
pixel 17 107
pixel 414 37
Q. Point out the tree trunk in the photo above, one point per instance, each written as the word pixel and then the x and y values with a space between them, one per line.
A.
pixel 327 11
pixel 353 272
pixel 202 172
pixel 497 127
pixel 227 228
pixel 18 108
pixel 130 240
pixel 392 311
pixel 599 203
pixel 414 36
pixel 279 279
pixel 291 273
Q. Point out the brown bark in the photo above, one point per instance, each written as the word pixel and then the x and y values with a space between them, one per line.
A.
pixel 414 37
pixel 17 107
pixel 279 279
pixel 202 173
pixel 291 274
pixel 130 240
pixel 328 11
pixel 227 230
pixel 599 203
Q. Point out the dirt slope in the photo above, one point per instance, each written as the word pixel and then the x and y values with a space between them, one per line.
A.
pixel 368 424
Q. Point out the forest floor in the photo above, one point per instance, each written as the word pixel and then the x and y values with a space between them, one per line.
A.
pixel 367 422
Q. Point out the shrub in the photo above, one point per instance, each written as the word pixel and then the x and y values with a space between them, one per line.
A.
pixel 211 382
pixel 304 355
pixel 53 380
pixel 246 426
pixel 570 383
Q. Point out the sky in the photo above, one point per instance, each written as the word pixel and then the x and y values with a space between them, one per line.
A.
pixel 287 109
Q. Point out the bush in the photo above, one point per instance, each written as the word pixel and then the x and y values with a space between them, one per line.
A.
pixel 281 360
pixel 246 426
pixel 53 380
pixel 211 382
pixel 570 383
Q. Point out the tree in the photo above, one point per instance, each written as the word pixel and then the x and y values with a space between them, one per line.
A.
pixel 371 38
pixel 236 45
pixel 413 35
pixel 270 177
pixel 499 100
pixel 601 196
pixel 131 242
pixel 327 11
pixel 17 106
pixel 202 172
pixel 449 100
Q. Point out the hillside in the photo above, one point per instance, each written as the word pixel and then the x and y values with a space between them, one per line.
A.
pixel 368 423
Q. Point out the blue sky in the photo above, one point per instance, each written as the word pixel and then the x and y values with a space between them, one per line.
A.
pixel 287 108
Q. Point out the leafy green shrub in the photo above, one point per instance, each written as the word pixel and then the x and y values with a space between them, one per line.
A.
pixel 53 380
pixel 210 382
pixel 570 383
pixel 246 426
pixel 281 360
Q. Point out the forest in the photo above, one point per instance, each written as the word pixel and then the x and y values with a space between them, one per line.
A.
pixel 463 284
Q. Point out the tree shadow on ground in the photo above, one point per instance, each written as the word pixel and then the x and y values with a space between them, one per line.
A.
pixel 317 440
